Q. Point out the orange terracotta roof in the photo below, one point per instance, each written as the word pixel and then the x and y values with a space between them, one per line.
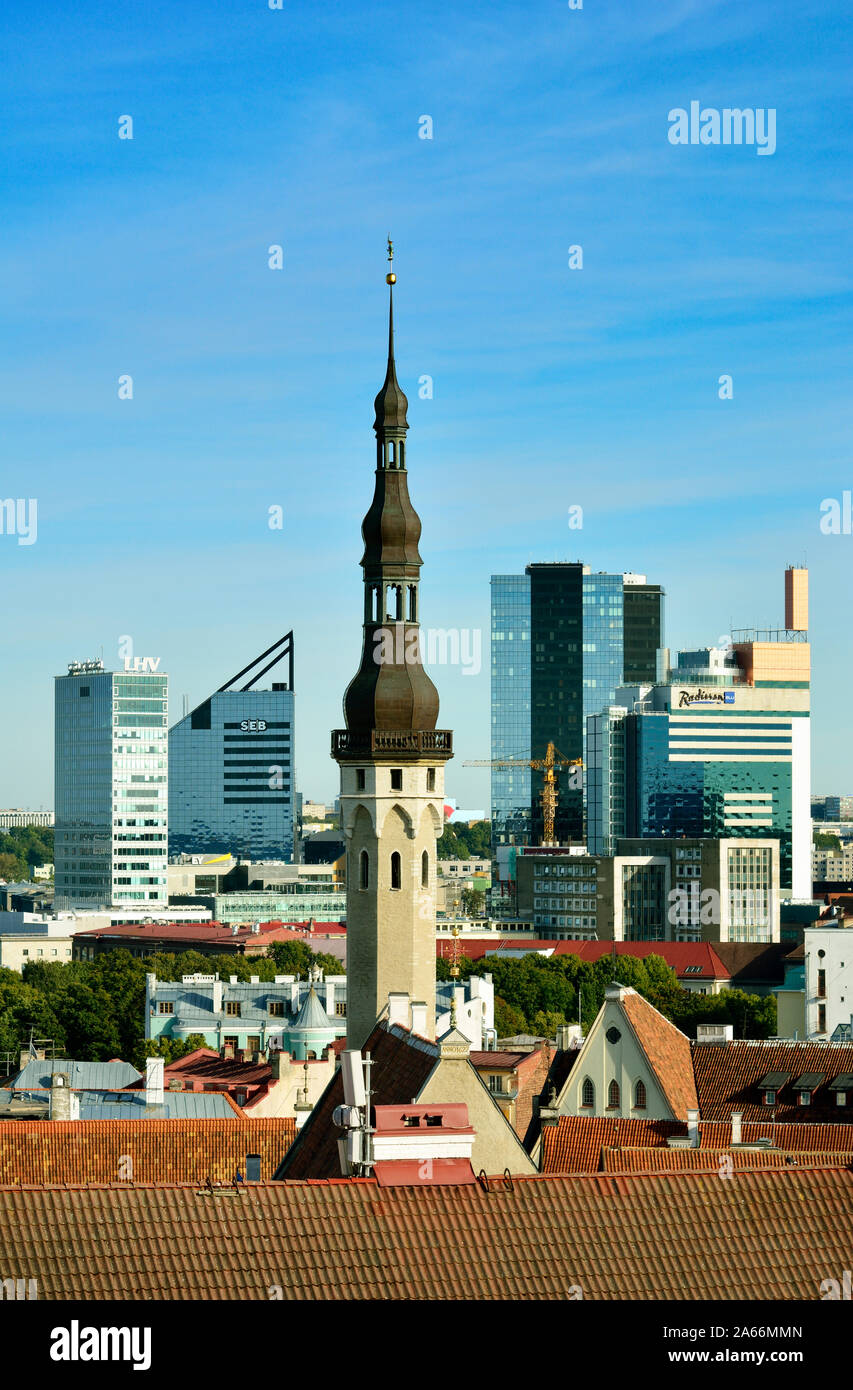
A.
pixel 717 1161
pixel 575 1143
pixel 727 1075
pixel 499 1061
pixel 776 1234
pixel 81 1151
pixel 667 1049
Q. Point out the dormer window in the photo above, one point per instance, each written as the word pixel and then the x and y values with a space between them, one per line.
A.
pixel 841 1085
pixel 806 1085
pixel 771 1084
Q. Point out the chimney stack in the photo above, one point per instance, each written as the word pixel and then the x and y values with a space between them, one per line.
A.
pixel 154 1080
pixel 419 1017
pixel 693 1128
pixel 398 1009
pixel 60 1096
pixel 737 1116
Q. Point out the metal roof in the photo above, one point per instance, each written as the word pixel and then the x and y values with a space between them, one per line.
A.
pixel 96 1076
pixel 312 1014
pixel 809 1081
pixel 773 1081
pixel 177 1105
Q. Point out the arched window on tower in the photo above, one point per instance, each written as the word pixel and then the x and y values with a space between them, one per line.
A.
pixel 425 870
pixel 375 595
pixel 613 1096
pixel 413 603
pixel 396 878
pixel 363 870
pixel 391 463
pixel 587 1092
pixel 394 602
pixel 401 455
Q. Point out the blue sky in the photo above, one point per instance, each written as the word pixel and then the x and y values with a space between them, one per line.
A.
pixel 552 388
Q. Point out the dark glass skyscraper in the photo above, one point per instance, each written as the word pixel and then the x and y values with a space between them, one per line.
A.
pixel 562 640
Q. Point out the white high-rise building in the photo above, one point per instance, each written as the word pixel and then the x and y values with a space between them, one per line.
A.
pixel 111 787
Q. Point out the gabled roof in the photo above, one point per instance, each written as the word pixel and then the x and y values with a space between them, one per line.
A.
pixel 83 1151
pixel 667 1050
pixel 693 960
pixel 727 1077
pixel 94 1076
pixel 774 1234
pixel 400 1065
pixel 751 963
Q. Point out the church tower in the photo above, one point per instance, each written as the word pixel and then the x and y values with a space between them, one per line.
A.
pixel 390 754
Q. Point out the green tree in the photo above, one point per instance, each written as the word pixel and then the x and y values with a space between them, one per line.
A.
pixel 545 1024
pixel 473 900
pixel 508 1019
pixel 461 841
pixel 291 957
pixel 170 1049
pixel 13 868
pixel 823 839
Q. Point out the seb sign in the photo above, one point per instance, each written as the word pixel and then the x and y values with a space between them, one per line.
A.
pixel 253 726
pixel 141 663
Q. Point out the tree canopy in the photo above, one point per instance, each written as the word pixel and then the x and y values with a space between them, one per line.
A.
pixel 461 841
pixel 94 1011
pixel 538 993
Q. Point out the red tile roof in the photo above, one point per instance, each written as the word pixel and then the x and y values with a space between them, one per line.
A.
pixel 667 1050
pixel 499 1061
pixel 590 1144
pixel 575 1143
pixel 690 960
pixel 772 1234
pixel 81 1151
pixel 208 933
pixel 793 1136
pixel 727 1075
pixel 657 1160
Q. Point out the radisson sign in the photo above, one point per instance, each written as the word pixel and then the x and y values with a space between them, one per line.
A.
pixel 706 697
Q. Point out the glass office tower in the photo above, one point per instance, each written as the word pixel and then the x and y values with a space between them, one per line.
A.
pixel 231 785
pixel 232 779
pixel 510 656
pixel 582 631
pixel 111 761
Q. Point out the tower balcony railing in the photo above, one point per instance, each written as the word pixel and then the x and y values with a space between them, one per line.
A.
pixel 354 743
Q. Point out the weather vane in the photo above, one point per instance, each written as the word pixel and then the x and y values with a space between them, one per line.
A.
pixel 390 278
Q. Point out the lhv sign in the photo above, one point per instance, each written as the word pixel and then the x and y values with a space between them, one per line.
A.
pixel 141 663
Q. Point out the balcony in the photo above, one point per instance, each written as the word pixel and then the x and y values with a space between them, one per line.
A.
pixel 421 742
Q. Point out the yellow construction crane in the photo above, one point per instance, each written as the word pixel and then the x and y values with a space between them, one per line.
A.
pixel 550 765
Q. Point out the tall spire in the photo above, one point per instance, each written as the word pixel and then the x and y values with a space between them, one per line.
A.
pixel 391 691
pixel 391 403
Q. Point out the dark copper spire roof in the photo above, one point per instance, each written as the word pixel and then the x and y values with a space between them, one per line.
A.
pixel 391 692
pixel 391 403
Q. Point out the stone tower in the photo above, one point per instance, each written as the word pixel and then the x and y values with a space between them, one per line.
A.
pixel 390 754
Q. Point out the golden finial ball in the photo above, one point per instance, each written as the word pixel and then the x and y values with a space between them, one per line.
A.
pixel 391 279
